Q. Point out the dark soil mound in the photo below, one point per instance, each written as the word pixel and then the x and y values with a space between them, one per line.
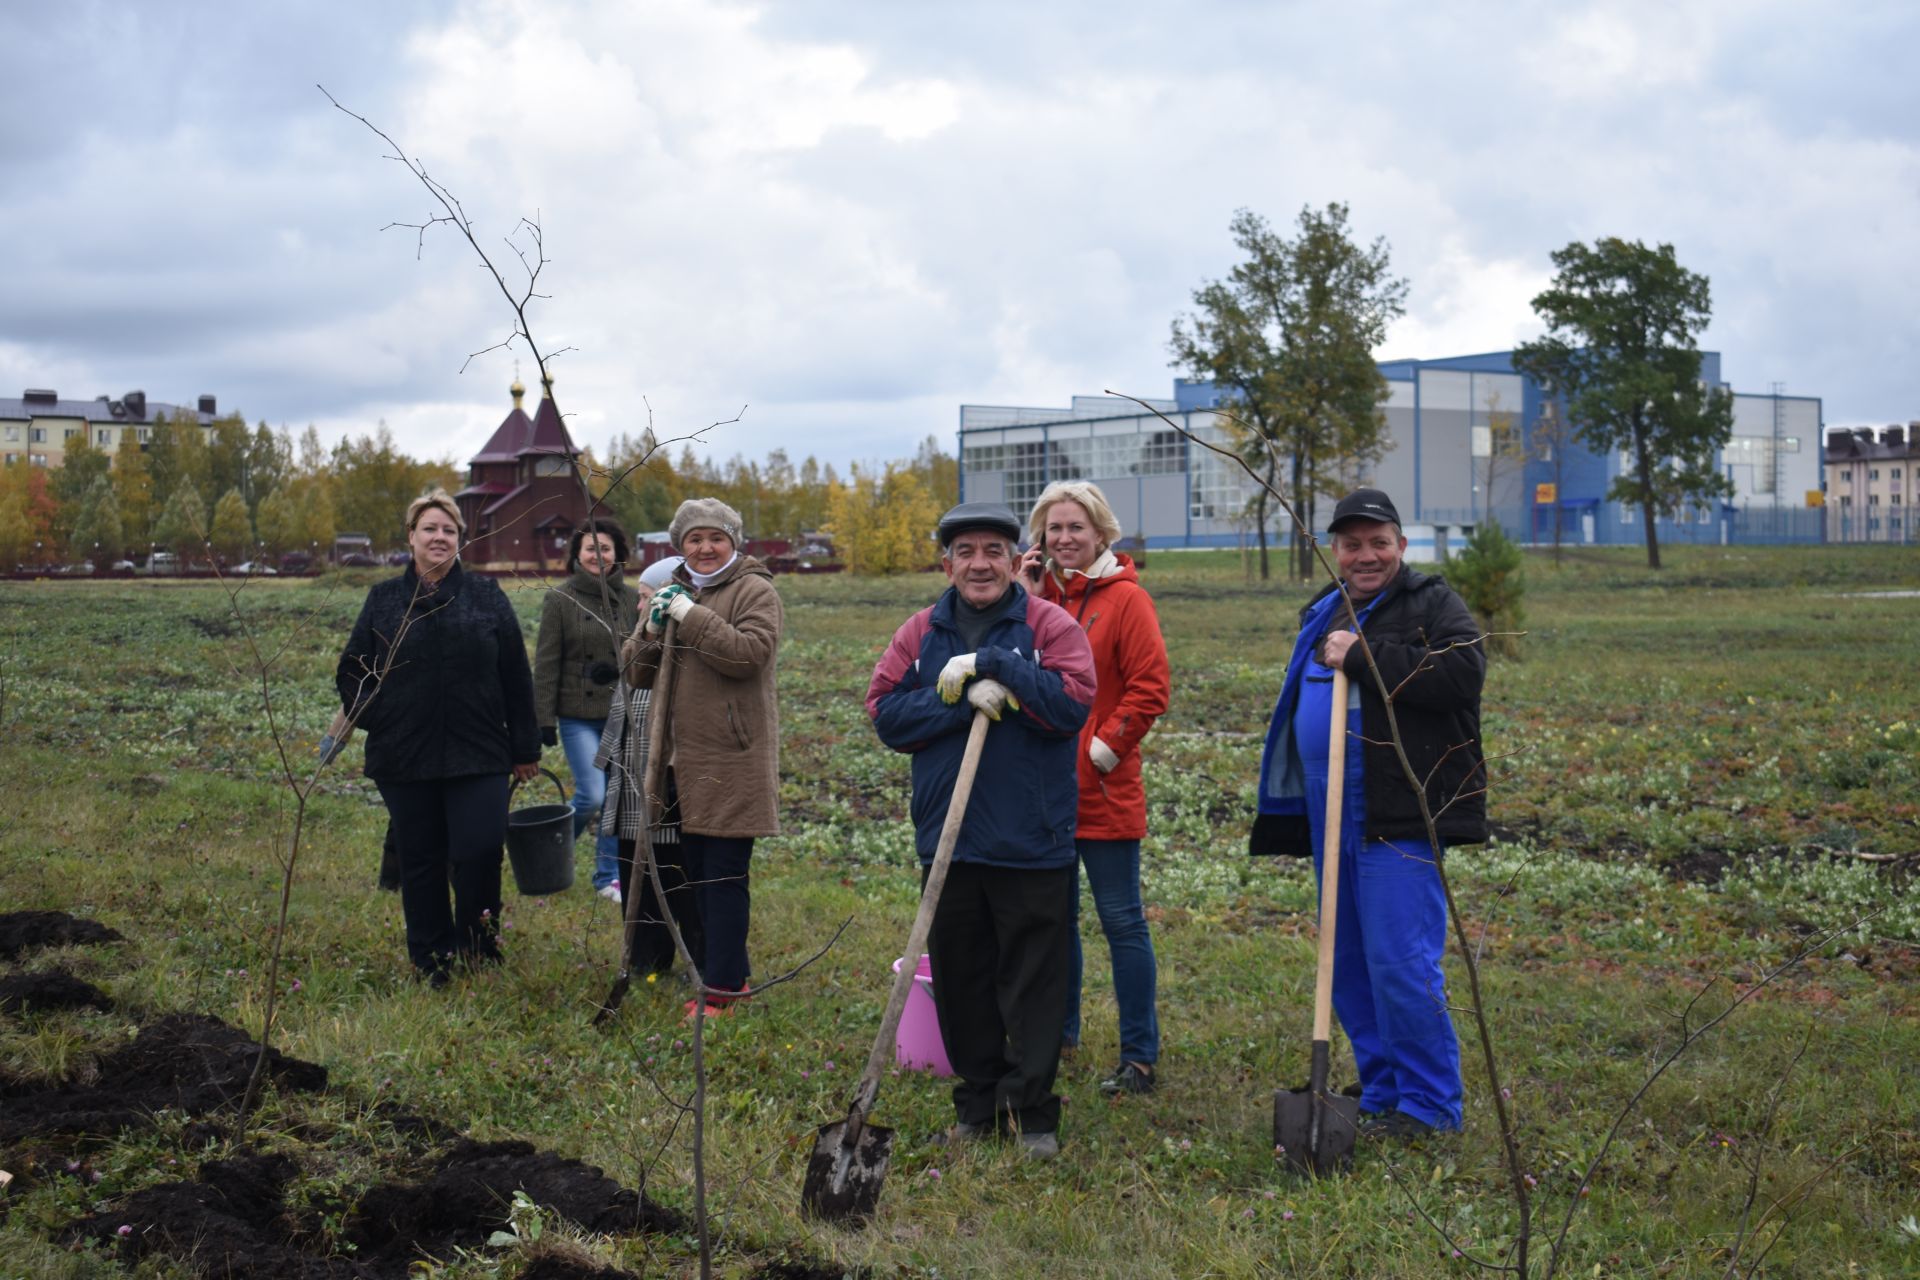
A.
pixel 230 1225
pixel 186 1061
pixel 54 989
pixel 553 1266
pixel 801 1270
pixel 466 1199
pixel 26 930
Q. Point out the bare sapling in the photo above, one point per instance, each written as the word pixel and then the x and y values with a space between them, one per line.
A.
pixel 1518 1254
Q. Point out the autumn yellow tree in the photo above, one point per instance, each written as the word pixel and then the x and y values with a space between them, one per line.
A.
pixel 883 523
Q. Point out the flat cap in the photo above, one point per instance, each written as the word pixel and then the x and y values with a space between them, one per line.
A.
pixel 979 515
pixel 1364 504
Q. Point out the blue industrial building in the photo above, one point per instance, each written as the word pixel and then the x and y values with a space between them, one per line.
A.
pixel 1464 444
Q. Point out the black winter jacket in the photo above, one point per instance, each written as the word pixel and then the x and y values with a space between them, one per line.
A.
pixel 458 698
pixel 1423 639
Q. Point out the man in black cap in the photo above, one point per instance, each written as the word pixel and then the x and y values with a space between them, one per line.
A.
pixel 1002 935
pixel 1390 934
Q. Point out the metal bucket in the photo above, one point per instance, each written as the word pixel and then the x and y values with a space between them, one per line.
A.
pixel 540 843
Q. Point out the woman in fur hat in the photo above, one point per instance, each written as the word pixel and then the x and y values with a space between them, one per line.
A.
pixel 706 647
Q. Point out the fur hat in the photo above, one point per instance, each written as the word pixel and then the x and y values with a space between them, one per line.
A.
pixel 704 513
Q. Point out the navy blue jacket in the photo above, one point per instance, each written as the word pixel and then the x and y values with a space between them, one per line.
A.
pixel 1026 793
pixel 457 697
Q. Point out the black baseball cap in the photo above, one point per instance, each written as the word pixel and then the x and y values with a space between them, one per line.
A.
pixel 1364 504
pixel 979 515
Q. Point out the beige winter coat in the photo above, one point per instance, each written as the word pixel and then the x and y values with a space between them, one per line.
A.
pixel 714 718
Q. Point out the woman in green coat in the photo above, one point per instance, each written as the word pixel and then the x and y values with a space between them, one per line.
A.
pixel 575 666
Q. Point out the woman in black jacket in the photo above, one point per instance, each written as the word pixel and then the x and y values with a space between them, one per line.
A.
pixel 436 674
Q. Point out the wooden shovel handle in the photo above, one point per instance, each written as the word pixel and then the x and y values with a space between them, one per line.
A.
pixel 883 1047
pixel 1330 858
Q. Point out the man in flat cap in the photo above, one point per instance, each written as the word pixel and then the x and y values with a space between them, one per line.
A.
pixel 1390 932
pixel 1002 934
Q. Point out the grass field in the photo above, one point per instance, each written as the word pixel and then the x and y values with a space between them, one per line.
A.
pixel 1696 771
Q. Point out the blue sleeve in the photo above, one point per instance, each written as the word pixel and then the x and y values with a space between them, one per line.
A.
pixel 1047 705
pixel 908 714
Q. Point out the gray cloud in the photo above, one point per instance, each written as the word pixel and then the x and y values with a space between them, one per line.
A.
pixel 855 216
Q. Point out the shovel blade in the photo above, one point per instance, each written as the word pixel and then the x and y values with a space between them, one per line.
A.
pixel 844 1185
pixel 1293 1130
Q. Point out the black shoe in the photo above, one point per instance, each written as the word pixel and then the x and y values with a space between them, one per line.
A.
pixel 1129 1077
pixel 1397 1125
pixel 961 1134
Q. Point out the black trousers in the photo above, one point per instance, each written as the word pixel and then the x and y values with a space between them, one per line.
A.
pixel 449 831
pixel 1002 960
pixel 652 943
pixel 717 866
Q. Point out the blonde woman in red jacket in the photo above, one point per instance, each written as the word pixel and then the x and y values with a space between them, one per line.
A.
pixel 1072 564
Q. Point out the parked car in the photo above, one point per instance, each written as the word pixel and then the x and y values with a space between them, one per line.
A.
pixel 124 566
pixel 163 562
pixel 250 568
pixel 398 558
pixel 359 560
pixel 296 562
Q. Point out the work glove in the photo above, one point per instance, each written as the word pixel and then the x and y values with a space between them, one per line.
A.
pixel 662 601
pixel 991 696
pixel 549 736
pixel 954 675
pixel 1102 756
pixel 680 606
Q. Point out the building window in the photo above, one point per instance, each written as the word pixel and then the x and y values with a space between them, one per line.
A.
pixel 141 433
pixel 71 433
pixel 39 435
pixel 1873 499
pixel 12 458
pixel 1846 477
pixel 1846 499
pixel 1873 473
pixel 1893 473
pixel 13 435
pixel 39 459
pixel 1894 501
pixel 103 435
pixel 1789 444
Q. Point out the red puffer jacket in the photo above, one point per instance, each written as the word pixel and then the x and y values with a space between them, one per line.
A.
pixel 1130 660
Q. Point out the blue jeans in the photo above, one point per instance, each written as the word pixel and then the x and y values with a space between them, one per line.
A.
pixel 1113 872
pixel 1388 989
pixel 580 739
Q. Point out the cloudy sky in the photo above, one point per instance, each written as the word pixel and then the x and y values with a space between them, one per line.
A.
pixel 851 216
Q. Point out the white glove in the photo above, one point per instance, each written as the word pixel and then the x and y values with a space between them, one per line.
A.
pixel 680 607
pixel 955 674
pixel 991 696
pixel 661 608
pixel 1102 756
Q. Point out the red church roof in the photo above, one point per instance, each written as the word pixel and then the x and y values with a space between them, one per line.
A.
pixel 518 435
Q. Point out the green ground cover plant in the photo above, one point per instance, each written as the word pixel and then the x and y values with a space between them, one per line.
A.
pixel 1695 771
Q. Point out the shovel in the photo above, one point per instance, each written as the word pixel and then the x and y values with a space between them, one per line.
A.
pixel 1313 1129
pixel 849 1162
pixel 636 874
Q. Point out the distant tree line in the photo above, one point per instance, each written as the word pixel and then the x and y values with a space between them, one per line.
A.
pixel 260 493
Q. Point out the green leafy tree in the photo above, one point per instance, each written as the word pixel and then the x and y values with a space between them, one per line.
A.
pixel 229 456
pixel 374 481
pixel 313 499
pixel 279 523
pixel 1622 349
pixel 269 464
pixel 178 453
pixel 232 532
pixel 1489 577
pixel 71 482
pixel 97 532
pixel 133 487
pixel 183 521
pixel 1289 338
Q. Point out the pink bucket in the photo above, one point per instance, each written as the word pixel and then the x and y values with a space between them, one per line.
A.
pixel 918 1046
